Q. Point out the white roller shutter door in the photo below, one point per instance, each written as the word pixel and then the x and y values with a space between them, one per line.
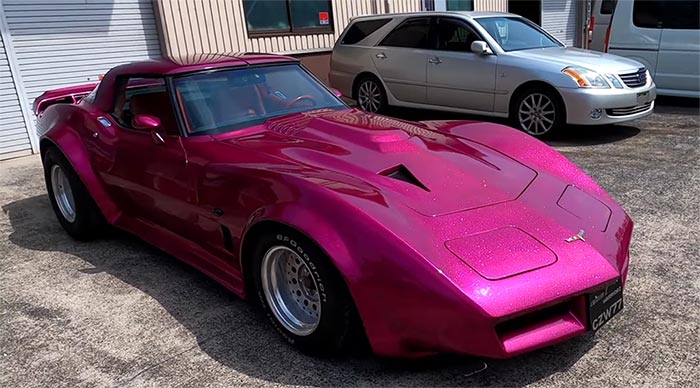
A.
pixel 559 19
pixel 60 43
pixel 14 139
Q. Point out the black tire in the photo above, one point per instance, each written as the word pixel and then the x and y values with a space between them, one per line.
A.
pixel 547 118
pixel 88 222
pixel 370 95
pixel 338 324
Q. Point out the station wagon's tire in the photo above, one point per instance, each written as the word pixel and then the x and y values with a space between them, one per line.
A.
pixel 73 205
pixel 302 294
pixel 538 112
pixel 370 95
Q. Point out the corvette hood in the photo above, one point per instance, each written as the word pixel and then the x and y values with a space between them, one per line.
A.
pixel 432 173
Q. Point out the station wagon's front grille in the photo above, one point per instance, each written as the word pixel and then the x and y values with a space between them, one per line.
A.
pixel 636 79
pixel 630 110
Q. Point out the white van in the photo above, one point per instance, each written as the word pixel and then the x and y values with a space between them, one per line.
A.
pixel 601 13
pixel 664 35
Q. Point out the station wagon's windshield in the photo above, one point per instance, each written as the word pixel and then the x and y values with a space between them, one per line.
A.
pixel 513 33
pixel 227 100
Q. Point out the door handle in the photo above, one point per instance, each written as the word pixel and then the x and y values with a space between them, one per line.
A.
pixel 434 60
pixel 381 56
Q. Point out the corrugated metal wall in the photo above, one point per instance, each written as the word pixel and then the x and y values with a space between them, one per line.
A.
pixel 559 19
pixel 67 42
pixel 491 5
pixel 14 139
pixel 196 26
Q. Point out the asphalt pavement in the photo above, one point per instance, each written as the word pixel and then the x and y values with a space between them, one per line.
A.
pixel 117 312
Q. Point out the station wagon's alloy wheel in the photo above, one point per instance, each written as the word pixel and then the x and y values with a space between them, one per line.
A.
pixel 537 114
pixel 303 294
pixel 62 192
pixel 291 290
pixel 370 95
pixel 72 203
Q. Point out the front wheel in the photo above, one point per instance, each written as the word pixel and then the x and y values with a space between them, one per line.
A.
pixel 302 294
pixel 73 205
pixel 538 112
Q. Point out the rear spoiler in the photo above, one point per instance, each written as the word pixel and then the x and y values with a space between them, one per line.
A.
pixel 68 95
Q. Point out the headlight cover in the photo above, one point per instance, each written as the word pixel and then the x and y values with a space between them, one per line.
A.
pixel 586 78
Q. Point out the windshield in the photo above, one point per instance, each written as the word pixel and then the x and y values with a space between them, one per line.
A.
pixel 513 33
pixel 228 100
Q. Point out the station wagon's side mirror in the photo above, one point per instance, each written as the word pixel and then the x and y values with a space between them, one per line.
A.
pixel 337 92
pixel 480 47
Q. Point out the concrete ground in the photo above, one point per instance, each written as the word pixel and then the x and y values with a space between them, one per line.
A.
pixel 117 312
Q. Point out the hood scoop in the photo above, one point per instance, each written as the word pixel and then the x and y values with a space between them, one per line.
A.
pixel 402 173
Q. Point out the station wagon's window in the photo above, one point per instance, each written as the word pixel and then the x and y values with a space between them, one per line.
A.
pixel 679 14
pixel 514 33
pixel 411 33
pixel 232 99
pixel 144 96
pixel 453 35
pixel 265 17
pixel 361 30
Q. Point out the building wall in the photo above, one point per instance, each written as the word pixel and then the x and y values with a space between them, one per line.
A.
pixel 491 5
pixel 195 26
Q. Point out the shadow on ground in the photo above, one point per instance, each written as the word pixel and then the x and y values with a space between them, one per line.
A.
pixel 232 333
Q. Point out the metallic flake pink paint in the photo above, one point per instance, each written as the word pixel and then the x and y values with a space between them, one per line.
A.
pixel 446 269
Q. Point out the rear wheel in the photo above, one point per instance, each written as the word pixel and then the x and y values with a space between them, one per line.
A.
pixel 74 208
pixel 302 294
pixel 371 96
pixel 538 112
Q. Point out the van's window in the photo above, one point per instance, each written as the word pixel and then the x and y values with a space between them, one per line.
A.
pixel 453 35
pixel 411 33
pixel 361 30
pixel 682 15
pixel 678 14
pixel 607 7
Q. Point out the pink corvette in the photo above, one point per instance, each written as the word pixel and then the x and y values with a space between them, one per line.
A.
pixel 420 237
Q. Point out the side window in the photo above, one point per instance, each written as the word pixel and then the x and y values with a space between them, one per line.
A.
pixel 144 96
pixel 361 30
pixel 454 35
pixel 682 15
pixel 647 13
pixel 607 7
pixel 411 33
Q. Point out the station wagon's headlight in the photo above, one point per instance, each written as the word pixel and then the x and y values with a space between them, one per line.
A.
pixel 614 81
pixel 586 78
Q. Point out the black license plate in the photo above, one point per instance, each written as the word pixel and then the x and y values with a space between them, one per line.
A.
pixel 604 304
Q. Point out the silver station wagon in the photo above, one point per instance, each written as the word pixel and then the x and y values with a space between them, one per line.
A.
pixel 495 64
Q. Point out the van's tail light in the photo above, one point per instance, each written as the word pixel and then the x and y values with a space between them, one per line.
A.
pixel 607 38
pixel 591 27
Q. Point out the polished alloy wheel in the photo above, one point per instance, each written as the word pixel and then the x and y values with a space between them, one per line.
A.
pixel 369 96
pixel 536 114
pixel 62 192
pixel 291 290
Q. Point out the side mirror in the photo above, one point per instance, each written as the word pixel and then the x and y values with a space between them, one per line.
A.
pixel 480 47
pixel 145 122
pixel 337 92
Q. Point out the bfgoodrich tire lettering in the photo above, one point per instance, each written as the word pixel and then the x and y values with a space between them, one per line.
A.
pixel 337 320
pixel 79 215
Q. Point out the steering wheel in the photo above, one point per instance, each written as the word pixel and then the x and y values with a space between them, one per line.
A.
pixel 304 97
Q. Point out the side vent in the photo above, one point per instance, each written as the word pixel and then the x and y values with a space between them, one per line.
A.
pixel 228 241
pixel 402 173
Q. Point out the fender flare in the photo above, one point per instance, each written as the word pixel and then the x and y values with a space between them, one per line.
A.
pixel 69 143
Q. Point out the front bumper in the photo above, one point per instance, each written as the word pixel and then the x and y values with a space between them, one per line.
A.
pixel 615 105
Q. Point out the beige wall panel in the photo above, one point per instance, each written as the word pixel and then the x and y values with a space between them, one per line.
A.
pixel 491 5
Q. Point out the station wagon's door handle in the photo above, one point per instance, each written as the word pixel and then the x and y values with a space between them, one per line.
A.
pixel 381 56
pixel 434 60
